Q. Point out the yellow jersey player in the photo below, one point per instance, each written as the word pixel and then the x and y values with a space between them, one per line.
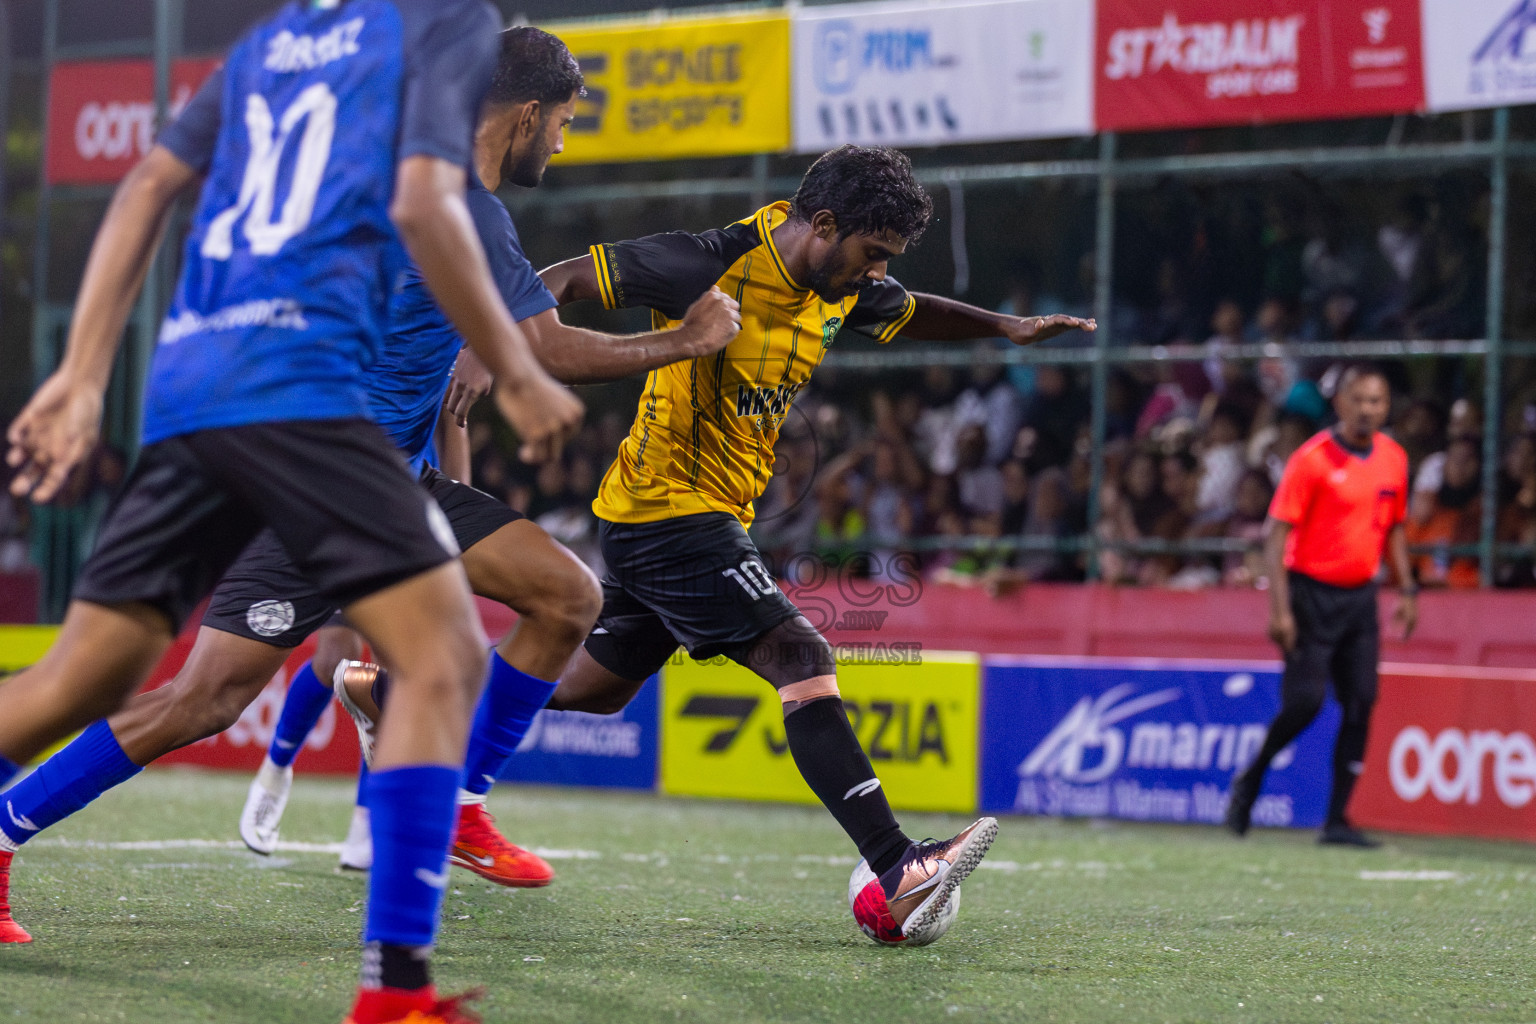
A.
pixel 675 505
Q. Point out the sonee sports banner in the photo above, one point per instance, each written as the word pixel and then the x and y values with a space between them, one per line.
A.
pixel 680 87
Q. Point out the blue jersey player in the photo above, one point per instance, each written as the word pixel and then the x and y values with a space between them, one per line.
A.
pixel 264 607
pixel 332 127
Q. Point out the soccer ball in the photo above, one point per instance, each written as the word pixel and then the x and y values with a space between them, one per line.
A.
pixel 867 901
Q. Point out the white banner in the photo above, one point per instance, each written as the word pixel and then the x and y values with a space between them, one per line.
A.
pixel 1479 53
pixel 929 73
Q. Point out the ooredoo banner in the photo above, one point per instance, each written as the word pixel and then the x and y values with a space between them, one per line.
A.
pixel 101 115
pixel 680 87
pixel 1187 63
pixel 1143 740
pixel 1479 53
pixel 915 73
pixel 1451 751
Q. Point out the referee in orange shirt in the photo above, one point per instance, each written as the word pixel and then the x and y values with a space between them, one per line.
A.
pixel 1341 501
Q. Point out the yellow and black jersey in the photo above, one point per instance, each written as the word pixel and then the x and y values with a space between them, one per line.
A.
pixel 702 440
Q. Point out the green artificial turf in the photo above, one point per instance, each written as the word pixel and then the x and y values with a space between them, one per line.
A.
pixel 675 910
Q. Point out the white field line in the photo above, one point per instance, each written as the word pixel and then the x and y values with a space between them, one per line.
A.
pixel 283 846
pixel 1409 876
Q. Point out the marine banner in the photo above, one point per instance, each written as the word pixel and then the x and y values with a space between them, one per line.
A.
pixel 680 87
pixel 916 73
pixel 1479 53
pixel 915 713
pixel 1143 740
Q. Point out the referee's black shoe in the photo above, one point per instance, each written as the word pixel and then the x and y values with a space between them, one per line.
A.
pixel 1342 833
pixel 1240 800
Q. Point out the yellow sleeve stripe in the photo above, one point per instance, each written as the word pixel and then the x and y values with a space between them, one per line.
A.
pixel 894 327
pixel 604 280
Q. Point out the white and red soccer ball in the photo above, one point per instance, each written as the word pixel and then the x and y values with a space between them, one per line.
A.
pixel 867 901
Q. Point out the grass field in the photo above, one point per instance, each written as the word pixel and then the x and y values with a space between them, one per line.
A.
pixel 671 910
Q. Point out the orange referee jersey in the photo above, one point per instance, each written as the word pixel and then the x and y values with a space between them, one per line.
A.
pixel 1341 506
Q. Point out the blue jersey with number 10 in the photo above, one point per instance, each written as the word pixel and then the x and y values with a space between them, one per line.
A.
pixel 282 301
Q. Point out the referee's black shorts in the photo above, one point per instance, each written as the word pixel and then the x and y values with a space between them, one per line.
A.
pixel 1338 638
pixel 264 597
pixel 339 499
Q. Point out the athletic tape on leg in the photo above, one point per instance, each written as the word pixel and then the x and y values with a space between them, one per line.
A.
pixel 814 688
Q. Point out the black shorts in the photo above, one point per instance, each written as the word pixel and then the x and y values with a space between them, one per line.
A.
pixel 265 598
pixel 1338 639
pixel 696 580
pixel 335 493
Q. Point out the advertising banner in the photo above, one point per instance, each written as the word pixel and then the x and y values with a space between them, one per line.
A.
pixel 1451 751
pixel 681 87
pixel 1479 53
pixel 723 730
pixel 915 73
pixel 1144 740
pixel 1187 63
pixel 101 115
pixel 570 748
pixel 21 646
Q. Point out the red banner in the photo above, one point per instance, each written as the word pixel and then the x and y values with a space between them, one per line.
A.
pixel 1190 63
pixel 331 747
pixel 101 115
pixel 1451 752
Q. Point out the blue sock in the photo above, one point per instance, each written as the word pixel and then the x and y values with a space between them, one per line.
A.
pixel 66 782
pixel 412 812
pixel 511 699
pixel 302 708
pixel 8 770
pixel 362 783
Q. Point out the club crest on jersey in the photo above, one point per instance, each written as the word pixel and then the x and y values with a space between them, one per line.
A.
pixel 829 331
pixel 767 406
pixel 270 618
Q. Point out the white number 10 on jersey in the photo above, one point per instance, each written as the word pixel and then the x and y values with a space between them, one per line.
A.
pixel 316 107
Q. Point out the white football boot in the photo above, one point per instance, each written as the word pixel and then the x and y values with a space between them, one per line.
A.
pixel 264 805
pixel 357 848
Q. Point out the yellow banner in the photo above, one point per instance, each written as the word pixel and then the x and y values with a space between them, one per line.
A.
pixel 21 646
pixel 714 86
pixel 722 731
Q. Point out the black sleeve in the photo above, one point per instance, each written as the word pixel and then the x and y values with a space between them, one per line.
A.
pixel 668 272
pixel 450 54
pixel 882 311
pixel 195 132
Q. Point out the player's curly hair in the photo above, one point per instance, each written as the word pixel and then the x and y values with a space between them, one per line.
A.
pixel 534 65
pixel 868 189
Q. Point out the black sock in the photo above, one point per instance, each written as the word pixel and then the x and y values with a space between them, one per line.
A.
pixel 389 966
pixel 1348 753
pixel 839 773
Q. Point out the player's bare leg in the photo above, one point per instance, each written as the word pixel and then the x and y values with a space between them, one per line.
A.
pixel 557 599
pixel 102 654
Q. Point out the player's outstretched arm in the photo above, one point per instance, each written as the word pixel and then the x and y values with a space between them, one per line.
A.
pixel 939 319
pixel 435 225
pixel 58 428
pixel 578 356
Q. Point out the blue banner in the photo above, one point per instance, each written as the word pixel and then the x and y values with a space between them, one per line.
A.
pixel 571 748
pixel 1143 740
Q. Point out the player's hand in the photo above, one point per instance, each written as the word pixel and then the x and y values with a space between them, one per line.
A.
pixel 544 414
pixel 1282 630
pixel 470 382
pixel 711 322
pixel 53 435
pixel 1406 614
pixel 1028 330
